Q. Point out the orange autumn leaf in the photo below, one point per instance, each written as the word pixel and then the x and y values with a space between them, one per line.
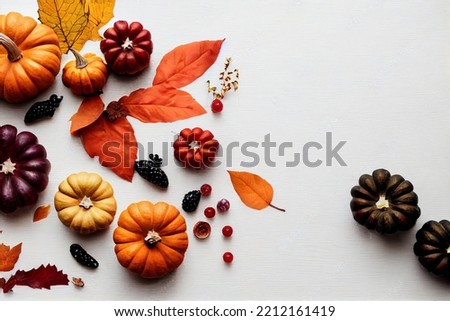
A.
pixel 114 143
pixel 89 111
pixel 253 190
pixel 182 65
pixel 41 212
pixel 161 104
pixel 9 256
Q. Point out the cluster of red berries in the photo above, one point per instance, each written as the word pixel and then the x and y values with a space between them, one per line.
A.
pixel 202 229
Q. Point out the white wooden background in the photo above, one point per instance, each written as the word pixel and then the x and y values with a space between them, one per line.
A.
pixel 375 74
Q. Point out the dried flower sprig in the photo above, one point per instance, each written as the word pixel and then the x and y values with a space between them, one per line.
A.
pixel 229 81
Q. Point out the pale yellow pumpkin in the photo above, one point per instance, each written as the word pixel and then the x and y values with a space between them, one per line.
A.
pixel 85 202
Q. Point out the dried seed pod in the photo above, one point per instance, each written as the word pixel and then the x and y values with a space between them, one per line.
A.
pixel 42 109
pixel 202 230
pixel 78 282
pixel 82 257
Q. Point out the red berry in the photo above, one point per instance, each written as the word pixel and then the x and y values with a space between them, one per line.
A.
pixel 216 106
pixel 206 189
pixel 228 257
pixel 227 231
pixel 223 205
pixel 209 212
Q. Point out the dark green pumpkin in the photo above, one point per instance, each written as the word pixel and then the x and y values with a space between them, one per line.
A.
pixel 384 202
pixel 433 246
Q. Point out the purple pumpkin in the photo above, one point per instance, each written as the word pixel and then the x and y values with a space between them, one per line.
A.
pixel 24 169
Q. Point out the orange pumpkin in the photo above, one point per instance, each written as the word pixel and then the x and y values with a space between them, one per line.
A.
pixel 150 239
pixel 30 57
pixel 86 74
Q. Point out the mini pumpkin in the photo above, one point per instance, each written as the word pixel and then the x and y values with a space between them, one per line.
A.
pixel 151 239
pixel 85 75
pixel 30 57
pixel 127 47
pixel 195 148
pixel 24 168
pixel 85 202
pixel 384 202
pixel 433 247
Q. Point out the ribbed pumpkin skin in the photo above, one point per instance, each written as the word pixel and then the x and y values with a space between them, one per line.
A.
pixel 35 72
pixel 71 193
pixel 432 247
pixel 127 47
pixel 131 249
pixel 20 186
pixel 400 211
pixel 87 80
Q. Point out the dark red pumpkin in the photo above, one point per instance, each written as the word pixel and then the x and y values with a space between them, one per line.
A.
pixel 195 148
pixel 127 47
pixel 384 202
pixel 433 247
pixel 24 168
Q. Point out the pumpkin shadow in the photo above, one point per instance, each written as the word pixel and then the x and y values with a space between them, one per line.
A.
pixel 154 285
pixel 441 281
pixel 21 214
pixel 85 238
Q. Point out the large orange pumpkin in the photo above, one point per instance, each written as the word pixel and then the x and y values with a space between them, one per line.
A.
pixel 150 239
pixel 30 57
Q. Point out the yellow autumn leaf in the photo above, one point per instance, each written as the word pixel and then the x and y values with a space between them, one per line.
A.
pixel 101 11
pixel 75 22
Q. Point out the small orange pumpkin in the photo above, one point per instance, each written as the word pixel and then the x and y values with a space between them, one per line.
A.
pixel 150 239
pixel 86 74
pixel 30 57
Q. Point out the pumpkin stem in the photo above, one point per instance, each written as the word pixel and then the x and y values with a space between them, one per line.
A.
pixel 152 238
pixel 127 44
pixel 14 53
pixel 80 61
pixel 86 203
pixel 382 202
pixel 8 167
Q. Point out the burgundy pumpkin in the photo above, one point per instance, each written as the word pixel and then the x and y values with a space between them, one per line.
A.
pixel 24 168
pixel 127 47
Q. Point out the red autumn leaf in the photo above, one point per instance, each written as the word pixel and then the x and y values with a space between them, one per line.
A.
pixel 161 104
pixel 114 143
pixel 9 256
pixel 187 62
pixel 42 277
pixel 2 282
pixel 41 212
pixel 89 111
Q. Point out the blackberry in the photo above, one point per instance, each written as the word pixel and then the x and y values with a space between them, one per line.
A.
pixel 82 257
pixel 42 109
pixel 151 171
pixel 191 200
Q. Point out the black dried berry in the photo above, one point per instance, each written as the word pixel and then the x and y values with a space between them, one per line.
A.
pixel 191 200
pixel 43 109
pixel 82 257
pixel 151 171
